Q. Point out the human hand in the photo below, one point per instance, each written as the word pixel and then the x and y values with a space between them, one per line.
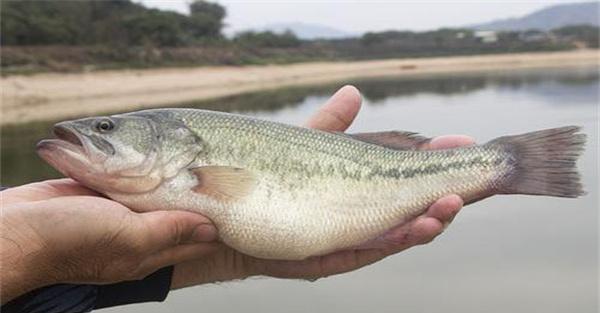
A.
pixel 58 231
pixel 336 115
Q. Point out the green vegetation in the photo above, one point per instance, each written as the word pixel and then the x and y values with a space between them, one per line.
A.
pixel 440 42
pixel 112 22
pixel 586 34
pixel 86 35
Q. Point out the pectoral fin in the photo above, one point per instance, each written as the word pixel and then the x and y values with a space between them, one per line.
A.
pixel 224 183
pixel 399 140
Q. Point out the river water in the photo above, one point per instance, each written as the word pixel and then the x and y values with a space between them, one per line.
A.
pixel 504 254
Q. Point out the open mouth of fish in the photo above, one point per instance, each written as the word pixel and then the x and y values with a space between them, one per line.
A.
pixel 64 138
pixel 66 135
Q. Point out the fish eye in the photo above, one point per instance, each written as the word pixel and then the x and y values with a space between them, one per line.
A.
pixel 105 125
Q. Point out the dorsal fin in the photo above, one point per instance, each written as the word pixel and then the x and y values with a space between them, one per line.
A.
pixel 223 183
pixel 399 140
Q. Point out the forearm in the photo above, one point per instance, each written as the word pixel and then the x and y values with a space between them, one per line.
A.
pixel 21 258
pixel 18 277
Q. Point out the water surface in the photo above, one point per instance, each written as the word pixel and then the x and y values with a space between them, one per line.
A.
pixel 504 254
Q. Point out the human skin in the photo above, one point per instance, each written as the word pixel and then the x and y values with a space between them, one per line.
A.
pixel 58 231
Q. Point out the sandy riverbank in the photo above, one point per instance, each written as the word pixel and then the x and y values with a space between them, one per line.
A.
pixel 57 96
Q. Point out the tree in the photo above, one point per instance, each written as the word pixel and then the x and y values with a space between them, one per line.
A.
pixel 107 22
pixel 206 19
pixel 155 27
pixel 44 22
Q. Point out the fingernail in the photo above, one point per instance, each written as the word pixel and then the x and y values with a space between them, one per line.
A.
pixel 204 233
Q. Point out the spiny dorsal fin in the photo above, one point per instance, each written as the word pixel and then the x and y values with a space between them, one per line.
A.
pixel 224 183
pixel 399 140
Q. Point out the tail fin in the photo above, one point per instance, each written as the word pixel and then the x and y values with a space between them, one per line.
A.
pixel 544 162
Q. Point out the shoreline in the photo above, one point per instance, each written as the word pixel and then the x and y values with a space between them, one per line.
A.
pixel 54 96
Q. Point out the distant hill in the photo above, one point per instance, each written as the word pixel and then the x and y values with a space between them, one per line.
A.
pixel 309 31
pixel 549 18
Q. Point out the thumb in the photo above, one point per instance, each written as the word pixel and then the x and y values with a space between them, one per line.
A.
pixel 171 228
pixel 339 111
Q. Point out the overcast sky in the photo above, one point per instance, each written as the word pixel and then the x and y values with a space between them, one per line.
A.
pixel 361 16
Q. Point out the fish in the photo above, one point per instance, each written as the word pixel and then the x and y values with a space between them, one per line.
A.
pixel 278 191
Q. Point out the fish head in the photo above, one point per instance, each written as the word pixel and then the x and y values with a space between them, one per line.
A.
pixel 120 153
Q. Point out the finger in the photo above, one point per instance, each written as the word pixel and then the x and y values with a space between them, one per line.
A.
pixel 176 255
pixel 448 142
pixel 421 230
pixel 46 190
pixel 62 187
pixel 445 209
pixel 427 226
pixel 318 267
pixel 171 228
pixel 348 260
pixel 339 111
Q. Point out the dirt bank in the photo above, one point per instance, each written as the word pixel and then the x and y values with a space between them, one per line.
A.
pixel 57 96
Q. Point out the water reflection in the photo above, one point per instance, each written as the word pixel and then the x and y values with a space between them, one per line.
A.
pixel 374 90
pixel 20 164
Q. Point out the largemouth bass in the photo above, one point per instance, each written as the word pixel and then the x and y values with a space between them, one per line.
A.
pixel 283 192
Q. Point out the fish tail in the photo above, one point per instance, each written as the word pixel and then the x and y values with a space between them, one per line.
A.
pixel 542 162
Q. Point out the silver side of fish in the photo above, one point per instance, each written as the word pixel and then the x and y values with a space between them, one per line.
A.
pixel 283 192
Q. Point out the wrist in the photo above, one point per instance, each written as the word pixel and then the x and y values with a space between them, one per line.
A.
pixel 23 257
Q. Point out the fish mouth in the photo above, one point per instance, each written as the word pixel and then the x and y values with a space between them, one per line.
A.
pixel 66 134
pixel 70 144
pixel 66 139
pixel 67 152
